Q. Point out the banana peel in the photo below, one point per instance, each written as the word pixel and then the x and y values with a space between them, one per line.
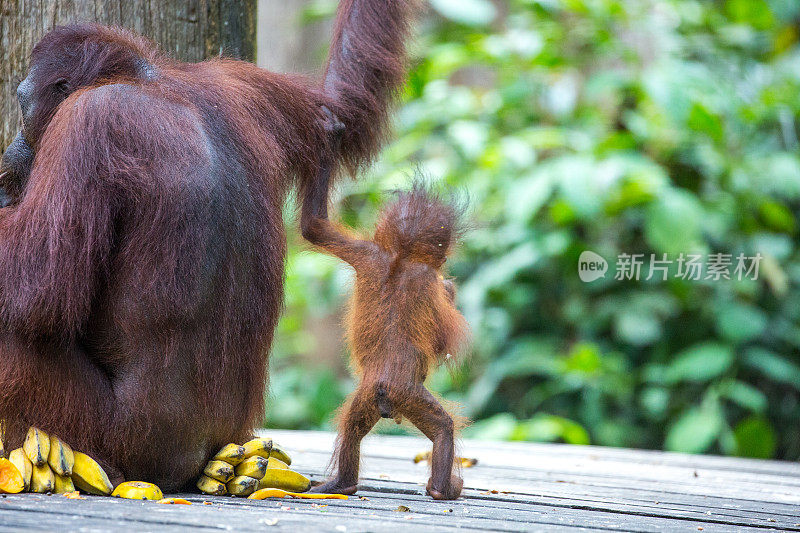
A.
pixel 89 476
pixel 11 481
pixel 263 494
pixel 138 490
pixel 174 501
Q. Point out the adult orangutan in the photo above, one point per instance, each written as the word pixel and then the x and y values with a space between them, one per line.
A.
pixel 141 255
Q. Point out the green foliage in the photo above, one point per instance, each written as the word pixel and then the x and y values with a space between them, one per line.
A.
pixel 617 126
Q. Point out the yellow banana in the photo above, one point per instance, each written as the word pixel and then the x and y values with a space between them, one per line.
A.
pixel 263 494
pixel 466 462
pixel 60 457
pixel 175 501
pixel 64 485
pixel 233 454
pixel 242 485
pixel 274 462
pixel 89 477
pixel 137 490
pixel 211 486
pixel 42 479
pixel 37 446
pixel 260 447
pixel 254 467
pixel 219 470
pixel 11 481
pixel 278 453
pixel 23 464
pixel 288 480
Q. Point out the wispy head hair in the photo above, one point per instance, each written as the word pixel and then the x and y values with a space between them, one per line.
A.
pixel 420 224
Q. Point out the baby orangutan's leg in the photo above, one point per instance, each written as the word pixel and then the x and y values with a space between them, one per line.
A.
pixel 359 416
pixel 425 412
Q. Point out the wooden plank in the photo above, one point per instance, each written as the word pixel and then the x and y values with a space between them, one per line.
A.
pixel 377 512
pixel 606 494
pixel 516 469
pixel 511 452
pixel 595 488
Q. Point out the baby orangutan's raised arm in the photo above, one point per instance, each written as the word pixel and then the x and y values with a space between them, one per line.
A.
pixel 402 322
pixel 314 223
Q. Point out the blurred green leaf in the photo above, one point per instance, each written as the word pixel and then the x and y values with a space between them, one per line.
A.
pixel 548 428
pixel 700 363
pixel 781 369
pixel 673 223
pixel 639 329
pixel 756 13
pixel 755 438
pixel 741 323
pixel 498 427
pixel 655 401
pixel 777 216
pixel 702 120
pixel 694 431
pixel 746 396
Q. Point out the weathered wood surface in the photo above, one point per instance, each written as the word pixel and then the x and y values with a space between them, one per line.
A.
pixel 190 30
pixel 539 486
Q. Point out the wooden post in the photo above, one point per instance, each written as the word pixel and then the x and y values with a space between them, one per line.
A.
pixel 189 30
pixel 285 42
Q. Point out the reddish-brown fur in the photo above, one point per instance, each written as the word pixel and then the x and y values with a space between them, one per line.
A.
pixel 141 265
pixel 402 322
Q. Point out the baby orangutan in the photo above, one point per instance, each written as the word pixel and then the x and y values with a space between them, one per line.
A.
pixel 402 322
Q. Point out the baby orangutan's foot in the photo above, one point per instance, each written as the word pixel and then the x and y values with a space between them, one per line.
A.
pixel 334 486
pixel 451 491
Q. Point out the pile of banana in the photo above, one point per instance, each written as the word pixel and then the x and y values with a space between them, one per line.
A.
pixel 46 464
pixel 258 469
pixel 243 470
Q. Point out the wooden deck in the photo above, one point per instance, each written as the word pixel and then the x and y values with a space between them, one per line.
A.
pixel 514 487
